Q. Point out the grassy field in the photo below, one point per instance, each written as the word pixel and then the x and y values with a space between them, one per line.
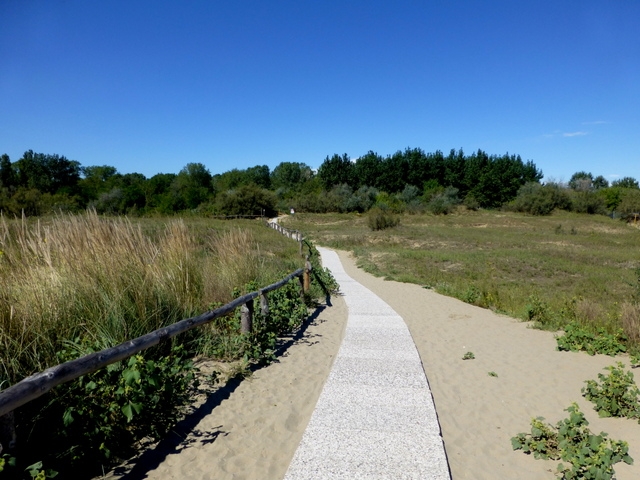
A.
pixel 554 269
pixel 88 281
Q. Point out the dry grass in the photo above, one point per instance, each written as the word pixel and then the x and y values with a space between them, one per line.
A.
pixel 589 312
pixel 236 259
pixel 102 281
pixel 630 319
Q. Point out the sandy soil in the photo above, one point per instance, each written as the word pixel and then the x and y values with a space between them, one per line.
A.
pixel 250 429
pixel 478 413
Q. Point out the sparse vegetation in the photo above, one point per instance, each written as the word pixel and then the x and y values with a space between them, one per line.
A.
pixel 578 338
pixel 615 395
pixel 590 456
pixel 530 267
pixel 379 219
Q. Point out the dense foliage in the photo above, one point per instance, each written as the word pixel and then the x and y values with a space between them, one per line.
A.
pixel 410 181
pixel 491 180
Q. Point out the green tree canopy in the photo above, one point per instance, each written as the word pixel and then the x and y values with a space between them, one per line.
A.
pixel 192 186
pixel 246 200
pixel 582 181
pixel 97 180
pixel 600 182
pixel 625 182
pixel 6 172
pixel 47 173
pixel 336 170
pixel 258 175
pixel 290 175
pixel 367 170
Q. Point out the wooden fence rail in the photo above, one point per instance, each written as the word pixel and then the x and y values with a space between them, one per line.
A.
pixel 235 217
pixel 38 384
pixel 287 232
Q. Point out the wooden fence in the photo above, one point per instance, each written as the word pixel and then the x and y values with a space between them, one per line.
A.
pixel 287 232
pixel 235 217
pixel 38 384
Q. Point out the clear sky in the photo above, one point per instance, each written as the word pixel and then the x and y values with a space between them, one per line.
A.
pixel 150 85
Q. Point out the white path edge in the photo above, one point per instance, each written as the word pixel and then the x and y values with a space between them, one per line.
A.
pixel 375 418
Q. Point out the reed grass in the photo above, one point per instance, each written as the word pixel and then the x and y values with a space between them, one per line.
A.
pixel 91 280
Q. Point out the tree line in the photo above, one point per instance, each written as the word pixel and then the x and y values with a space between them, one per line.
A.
pixel 410 180
pixel 584 193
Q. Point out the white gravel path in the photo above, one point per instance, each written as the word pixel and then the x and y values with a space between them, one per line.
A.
pixel 375 417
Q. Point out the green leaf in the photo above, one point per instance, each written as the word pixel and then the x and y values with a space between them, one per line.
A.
pixel 131 376
pixel 127 410
pixel 34 469
pixel 67 417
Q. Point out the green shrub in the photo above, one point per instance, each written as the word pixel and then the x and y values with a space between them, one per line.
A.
pixel 590 456
pixel 616 395
pixel 630 203
pixel 539 312
pixel 99 418
pixel 471 295
pixel 378 219
pixel 444 202
pixel 389 203
pixel 577 338
pixel 471 203
pixel 588 202
pixel 542 442
pixel 246 200
pixel 537 199
pixel 363 199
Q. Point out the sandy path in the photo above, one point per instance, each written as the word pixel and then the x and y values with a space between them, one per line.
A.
pixel 251 429
pixel 478 413
pixel 375 418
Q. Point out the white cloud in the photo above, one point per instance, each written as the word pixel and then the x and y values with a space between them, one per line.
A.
pixel 574 134
pixel 597 122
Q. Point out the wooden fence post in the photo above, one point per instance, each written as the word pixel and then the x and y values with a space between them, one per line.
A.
pixel 246 317
pixel 300 278
pixel 7 432
pixel 264 304
pixel 306 275
pixel 300 242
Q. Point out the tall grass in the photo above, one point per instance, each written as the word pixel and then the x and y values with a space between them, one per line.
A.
pixel 100 281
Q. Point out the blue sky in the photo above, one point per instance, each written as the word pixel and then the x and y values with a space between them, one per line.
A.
pixel 149 86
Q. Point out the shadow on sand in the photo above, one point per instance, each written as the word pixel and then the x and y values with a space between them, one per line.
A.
pixel 185 433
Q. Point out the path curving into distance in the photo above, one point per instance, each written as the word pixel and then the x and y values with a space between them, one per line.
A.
pixel 375 417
